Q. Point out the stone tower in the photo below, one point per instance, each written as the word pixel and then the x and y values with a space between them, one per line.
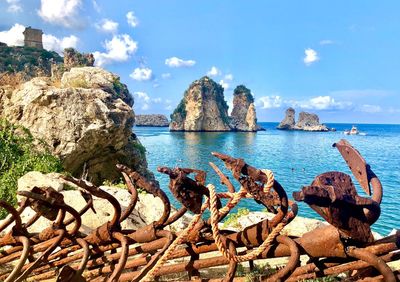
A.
pixel 33 37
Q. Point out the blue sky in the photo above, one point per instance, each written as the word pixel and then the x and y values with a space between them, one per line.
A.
pixel 339 59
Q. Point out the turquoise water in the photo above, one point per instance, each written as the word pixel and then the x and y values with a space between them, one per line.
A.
pixel 295 157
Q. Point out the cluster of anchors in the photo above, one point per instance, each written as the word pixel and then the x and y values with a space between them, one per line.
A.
pixel 110 253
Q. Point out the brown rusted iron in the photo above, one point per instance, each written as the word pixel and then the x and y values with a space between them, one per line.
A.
pixel 111 253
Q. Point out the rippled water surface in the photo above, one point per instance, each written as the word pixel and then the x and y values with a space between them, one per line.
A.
pixel 295 157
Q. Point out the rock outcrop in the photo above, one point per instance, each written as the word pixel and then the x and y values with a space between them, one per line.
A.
pixel 19 64
pixel 289 121
pixel 309 122
pixel 243 116
pixel 151 120
pixel 202 108
pixel 306 122
pixel 73 58
pixel 147 209
pixel 87 121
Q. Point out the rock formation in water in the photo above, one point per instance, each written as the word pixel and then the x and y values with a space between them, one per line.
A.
pixel 202 108
pixel 306 122
pixel 151 120
pixel 243 116
pixel 289 121
pixel 309 122
pixel 86 119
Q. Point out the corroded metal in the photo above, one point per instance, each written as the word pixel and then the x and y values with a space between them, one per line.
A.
pixel 111 253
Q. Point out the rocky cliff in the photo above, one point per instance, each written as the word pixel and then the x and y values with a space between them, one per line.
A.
pixel 151 120
pixel 243 116
pixel 20 64
pixel 202 108
pixel 86 119
pixel 306 122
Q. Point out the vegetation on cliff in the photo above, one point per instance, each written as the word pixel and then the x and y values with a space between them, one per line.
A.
pixel 19 154
pixel 241 89
pixel 21 58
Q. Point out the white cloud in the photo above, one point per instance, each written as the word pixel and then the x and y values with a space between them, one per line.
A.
pixel 141 74
pixel 362 93
pixel 132 19
pixel 320 103
pixel 326 42
pixel 142 96
pixel 315 103
pixel 228 77
pixel 14 6
pixel 224 84
pixel 145 101
pixel 214 71
pixel 52 43
pixel 118 49
pixel 175 62
pixel 370 109
pixel 107 25
pixel 269 102
pixel 96 6
pixel 14 36
pixel 393 110
pixel 311 56
pixel 166 75
pixel 61 12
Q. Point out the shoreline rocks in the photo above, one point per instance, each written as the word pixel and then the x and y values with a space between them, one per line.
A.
pixel 151 120
pixel 306 122
pixel 86 120
pixel 148 208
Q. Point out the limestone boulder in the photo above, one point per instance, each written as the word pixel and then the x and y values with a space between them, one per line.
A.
pixel 96 78
pixel 84 122
pixel 147 209
pixel 298 226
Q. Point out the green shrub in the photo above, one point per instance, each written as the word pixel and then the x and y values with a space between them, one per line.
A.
pixel 232 218
pixel 79 83
pixel 19 154
pixel 263 269
pixel 140 148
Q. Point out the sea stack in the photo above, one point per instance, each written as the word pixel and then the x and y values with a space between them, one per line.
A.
pixel 288 122
pixel 243 116
pixel 306 122
pixel 309 122
pixel 202 108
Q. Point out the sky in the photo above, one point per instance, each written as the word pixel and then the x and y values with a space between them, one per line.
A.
pixel 339 59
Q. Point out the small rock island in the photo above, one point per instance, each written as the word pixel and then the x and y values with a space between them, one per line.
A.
pixel 203 108
pixel 151 120
pixel 306 122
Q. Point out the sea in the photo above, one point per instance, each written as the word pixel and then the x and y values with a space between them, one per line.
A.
pixel 295 157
